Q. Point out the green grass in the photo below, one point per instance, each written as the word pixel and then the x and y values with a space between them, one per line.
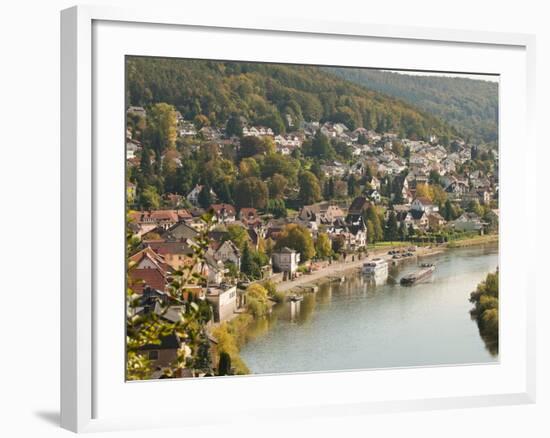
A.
pixel 475 240
pixel 389 244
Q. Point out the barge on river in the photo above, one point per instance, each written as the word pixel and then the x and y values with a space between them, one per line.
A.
pixel 414 277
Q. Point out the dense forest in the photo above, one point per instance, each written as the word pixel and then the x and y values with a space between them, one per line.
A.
pixel 470 106
pixel 274 95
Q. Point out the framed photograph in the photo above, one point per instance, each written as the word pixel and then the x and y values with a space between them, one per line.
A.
pixel 291 217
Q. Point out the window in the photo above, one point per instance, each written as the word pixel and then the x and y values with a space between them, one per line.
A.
pixel 153 355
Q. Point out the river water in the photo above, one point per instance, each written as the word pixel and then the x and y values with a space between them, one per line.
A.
pixel 358 325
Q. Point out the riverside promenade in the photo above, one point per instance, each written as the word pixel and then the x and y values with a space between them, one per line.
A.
pixel 340 268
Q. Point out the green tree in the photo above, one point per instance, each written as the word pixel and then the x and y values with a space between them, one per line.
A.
pixel 161 129
pixel 224 364
pixel 205 198
pixel 257 302
pixel 234 126
pixel 249 167
pixel 298 238
pixel 252 146
pixel 371 235
pixel 238 236
pixel 475 207
pixel 200 121
pixel 377 231
pixel 310 191
pixel 149 199
pixel 319 147
pixel 398 148
pixel 391 230
pixel 282 165
pixel 403 232
pixel 486 301
pixel 277 185
pixel 247 266
pixel 323 246
pixel 274 121
pixel 353 186
pixel 448 211
pixel 203 359
pixel 329 189
pixel 277 208
pixel 251 192
pixel 145 167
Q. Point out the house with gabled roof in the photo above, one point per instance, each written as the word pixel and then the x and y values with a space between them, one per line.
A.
pixel 147 268
pixel 357 208
pixel 180 232
pixel 227 252
pixel 249 217
pixel 223 213
pixel 177 254
pixel 193 195
pixel 286 260
pixel 424 204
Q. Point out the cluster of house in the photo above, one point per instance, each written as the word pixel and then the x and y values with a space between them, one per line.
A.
pixel 368 148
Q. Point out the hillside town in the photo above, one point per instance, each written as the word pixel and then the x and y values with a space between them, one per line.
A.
pixel 273 223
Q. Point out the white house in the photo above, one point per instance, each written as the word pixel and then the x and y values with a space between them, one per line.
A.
pixel 132 147
pixel 224 301
pixel 228 252
pixel 425 205
pixel 193 195
pixel 468 222
pixel 286 260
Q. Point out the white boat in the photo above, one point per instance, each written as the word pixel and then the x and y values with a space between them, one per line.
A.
pixel 376 267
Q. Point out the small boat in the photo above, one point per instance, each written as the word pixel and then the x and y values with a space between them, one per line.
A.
pixel 378 267
pixel 295 298
pixel 414 277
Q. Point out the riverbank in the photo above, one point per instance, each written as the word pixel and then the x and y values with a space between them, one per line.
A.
pixel 234 334
pixel 336 270
pixel 349 325
pixel 473 241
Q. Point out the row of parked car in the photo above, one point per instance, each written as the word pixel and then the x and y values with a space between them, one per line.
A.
pixel 402 253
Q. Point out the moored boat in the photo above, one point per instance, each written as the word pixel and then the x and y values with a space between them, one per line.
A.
pixel 295 298
pixel 378 267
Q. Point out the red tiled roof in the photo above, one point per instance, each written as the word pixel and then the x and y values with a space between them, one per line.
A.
pixel 146 277
pixel 157 259
pixel 219 207
pixel 247 213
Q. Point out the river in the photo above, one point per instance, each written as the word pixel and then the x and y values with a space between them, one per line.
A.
pixel 358 325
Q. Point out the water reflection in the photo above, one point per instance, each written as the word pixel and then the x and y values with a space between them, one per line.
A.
pixel 374 322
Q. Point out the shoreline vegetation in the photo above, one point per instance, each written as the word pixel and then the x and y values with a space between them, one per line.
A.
pixel 485 311
pixel 234 334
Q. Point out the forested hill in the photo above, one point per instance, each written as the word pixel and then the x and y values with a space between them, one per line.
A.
pixel 470 106
pixel 277 96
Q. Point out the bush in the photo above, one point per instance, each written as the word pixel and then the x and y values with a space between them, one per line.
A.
pixel 485 299
pixel 257 303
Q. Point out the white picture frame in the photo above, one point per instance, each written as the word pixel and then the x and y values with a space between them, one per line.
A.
pixel 86 404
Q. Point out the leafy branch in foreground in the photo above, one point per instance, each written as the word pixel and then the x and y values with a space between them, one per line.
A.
pixel 151 317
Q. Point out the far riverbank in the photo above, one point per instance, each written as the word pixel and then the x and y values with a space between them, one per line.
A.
pixel 329 272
